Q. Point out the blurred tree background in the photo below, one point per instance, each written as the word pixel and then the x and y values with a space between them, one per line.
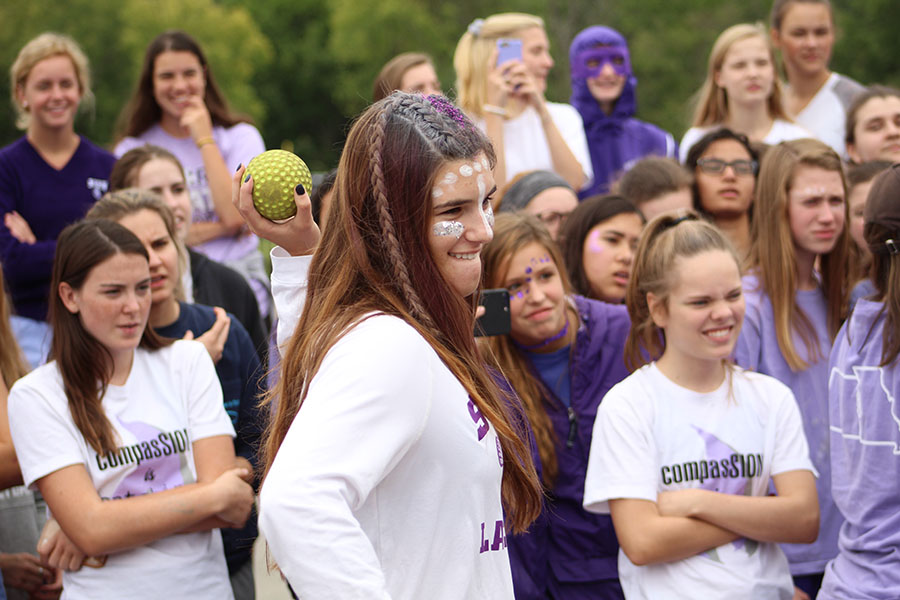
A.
pixel 303 68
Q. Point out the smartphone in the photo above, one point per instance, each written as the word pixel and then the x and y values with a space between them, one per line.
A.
pixel 508 49
pixel 495 320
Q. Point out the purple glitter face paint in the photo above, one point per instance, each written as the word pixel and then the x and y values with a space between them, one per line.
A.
pixel 589 63
pixel 448 228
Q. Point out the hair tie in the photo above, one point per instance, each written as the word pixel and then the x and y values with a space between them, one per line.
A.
pixel 475 27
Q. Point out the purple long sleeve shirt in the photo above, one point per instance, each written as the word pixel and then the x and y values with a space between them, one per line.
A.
pixel 48 199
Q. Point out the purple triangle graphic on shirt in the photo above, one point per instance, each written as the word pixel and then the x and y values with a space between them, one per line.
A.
pixel 717 450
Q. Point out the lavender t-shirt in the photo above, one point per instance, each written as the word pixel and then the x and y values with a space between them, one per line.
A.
pixel 238 144
pixel 865 461
pixel 757 349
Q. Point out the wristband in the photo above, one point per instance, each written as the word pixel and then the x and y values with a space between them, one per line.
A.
pixel 494 109
pixel 204 141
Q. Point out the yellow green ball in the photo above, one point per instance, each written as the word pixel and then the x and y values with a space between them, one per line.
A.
pixel 275 174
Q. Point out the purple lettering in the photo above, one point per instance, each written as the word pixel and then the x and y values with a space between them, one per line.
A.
pixel 484 542
pixel 479 420
pixel 499 537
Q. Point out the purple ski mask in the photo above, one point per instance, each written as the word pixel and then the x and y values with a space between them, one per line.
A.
pixel 589 63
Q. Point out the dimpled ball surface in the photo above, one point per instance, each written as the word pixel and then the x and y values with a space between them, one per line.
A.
pixel 275 174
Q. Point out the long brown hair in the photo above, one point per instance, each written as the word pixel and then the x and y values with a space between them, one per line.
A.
pixel 512 232
pixel 83 361
pixel 668 237
pixel 772 257
pixel 391 75
pixel 12 362
pixel 142 110
pixel 374 257
pixel 125 171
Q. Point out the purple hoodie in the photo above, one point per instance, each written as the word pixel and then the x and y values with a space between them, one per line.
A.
pixel 865 460
pixel 618 140
pixel 569 552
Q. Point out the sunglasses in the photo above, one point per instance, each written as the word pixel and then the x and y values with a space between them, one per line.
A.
pixel 716 166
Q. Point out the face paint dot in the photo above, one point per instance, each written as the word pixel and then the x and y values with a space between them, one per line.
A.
pixel 448 228
pixel 485 163
pixel 450 179
pixel 477 166
pixel 466 171
pixel 528 270
pixel 437 192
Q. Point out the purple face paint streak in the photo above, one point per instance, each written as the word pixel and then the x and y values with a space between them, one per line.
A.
pixel 594 243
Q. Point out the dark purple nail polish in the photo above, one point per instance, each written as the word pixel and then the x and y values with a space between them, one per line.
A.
pixel 247 178
pixel 239 167
pixel 300 189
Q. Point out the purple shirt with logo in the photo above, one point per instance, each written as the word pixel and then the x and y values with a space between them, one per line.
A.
pixel 757 349
pixel 48 199
pixel 865 460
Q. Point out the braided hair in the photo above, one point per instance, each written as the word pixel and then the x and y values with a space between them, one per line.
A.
pixel 374 257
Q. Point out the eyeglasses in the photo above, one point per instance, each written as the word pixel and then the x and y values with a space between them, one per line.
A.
pixel 716 166
pixel 552 217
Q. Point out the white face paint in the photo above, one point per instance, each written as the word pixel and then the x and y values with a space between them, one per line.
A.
pixel 448 228
pixel 477 166
pixel 466 171
pixel 487 214
pixel 437 192
pixel 449 179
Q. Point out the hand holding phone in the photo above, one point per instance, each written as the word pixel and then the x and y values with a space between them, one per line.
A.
pixel 495 320
pixel 508 49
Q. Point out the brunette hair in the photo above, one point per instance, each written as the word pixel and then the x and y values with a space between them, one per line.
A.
pixel 698 149
pixel 473 52
pixel 652 177
pixel 318 193
pixel 780 8
pixel 881 233
pixel 142 111
pixel 667 238
pixel 860 100
pixel 44 46
pixel 391 75
pixel 125 171
pixel 712 105
pixel 512 232
pixel 12 361
pixel 374 258
pixel 118 204
pixel 772 255
pixel 858 174
pixel 84 362
pixel 587 215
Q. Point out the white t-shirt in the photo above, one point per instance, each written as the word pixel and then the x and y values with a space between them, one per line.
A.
pixel 652 435
pixel 826 113
pixel 172 398
pixel 781 131
pixel 387 484
pixel 526 145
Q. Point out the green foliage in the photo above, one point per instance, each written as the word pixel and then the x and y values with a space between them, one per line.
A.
pixel 114 35
pixel 303 68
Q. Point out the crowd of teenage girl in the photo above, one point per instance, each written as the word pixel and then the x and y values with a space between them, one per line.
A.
pixel 695 397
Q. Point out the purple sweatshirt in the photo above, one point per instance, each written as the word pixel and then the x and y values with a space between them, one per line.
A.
pixel 618 140
pixel 49 199
pixel 569 552
pixel 757 349
pixel 865 460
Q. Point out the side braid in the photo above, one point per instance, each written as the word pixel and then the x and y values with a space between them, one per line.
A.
pixel 398 262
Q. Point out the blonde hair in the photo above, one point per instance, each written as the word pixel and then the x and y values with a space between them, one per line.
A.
pixel 44 46
pixel 12 361
pixel 668 237
pixel 470 60
pixel 772 255
pixel 712 100
pixel 118 204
